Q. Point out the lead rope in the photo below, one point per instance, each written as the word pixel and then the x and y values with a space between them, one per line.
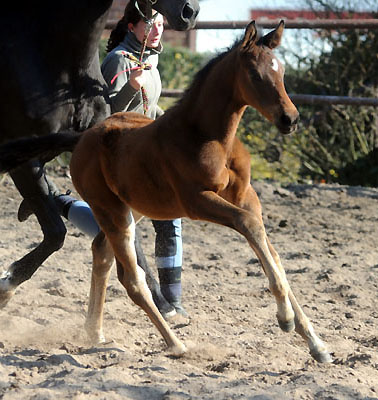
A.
pixel 147 31
pixel 149 19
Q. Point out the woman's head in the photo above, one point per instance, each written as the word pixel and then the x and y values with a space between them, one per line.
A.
pixel 154 37
pixel 132 21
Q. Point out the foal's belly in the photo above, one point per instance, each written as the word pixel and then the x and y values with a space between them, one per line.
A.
pixel 155 204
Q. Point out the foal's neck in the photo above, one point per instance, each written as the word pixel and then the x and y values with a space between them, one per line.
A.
pixel 213 105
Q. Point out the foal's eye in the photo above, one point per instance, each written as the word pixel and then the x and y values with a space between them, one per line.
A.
pixel 255 75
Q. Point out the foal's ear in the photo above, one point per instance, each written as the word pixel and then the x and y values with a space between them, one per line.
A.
pixel 249 38
pixel 273 39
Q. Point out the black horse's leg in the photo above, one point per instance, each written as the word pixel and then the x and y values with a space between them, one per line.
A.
pixel 36 190
pixel 166 309
pixel 31 183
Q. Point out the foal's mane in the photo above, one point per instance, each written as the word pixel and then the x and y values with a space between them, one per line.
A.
pixel 202 74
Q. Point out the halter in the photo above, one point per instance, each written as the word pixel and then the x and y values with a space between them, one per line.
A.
pixel 149 5
pixel 149 20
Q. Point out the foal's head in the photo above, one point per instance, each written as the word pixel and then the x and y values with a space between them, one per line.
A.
pixel 260 83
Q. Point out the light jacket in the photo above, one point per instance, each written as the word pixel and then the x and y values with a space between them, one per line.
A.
pixel 122 95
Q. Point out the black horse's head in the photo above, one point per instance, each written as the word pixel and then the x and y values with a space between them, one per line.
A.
pixel 181 14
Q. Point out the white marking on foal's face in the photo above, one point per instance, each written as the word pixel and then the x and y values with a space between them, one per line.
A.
pixel 275 65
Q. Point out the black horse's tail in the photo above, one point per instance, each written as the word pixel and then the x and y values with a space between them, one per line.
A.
pixel 44 148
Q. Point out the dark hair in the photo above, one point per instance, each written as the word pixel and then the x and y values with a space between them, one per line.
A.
pixel 131 15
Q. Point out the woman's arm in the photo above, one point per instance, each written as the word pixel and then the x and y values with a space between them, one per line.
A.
pixel 121 91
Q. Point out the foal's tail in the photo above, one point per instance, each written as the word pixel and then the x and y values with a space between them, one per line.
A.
pixel 44 148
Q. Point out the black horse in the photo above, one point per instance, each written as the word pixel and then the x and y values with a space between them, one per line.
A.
pixel 51 82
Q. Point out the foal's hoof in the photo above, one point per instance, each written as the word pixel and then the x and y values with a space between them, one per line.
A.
pixel 321 356
pixel 177 350
pixel 95 340
pixel 95 337
pixel 286 326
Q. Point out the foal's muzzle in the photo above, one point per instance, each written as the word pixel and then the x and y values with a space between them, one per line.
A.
pixel 288 122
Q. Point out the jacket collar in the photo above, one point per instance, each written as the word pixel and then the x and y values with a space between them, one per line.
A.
pixel 130 42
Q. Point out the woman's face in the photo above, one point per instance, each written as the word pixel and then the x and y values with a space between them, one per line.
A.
pixel 155 34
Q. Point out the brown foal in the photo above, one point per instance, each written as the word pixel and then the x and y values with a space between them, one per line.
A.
pixel 188 163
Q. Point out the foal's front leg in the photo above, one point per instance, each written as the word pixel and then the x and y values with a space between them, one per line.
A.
pixel 209 206
pixel 302 324
pixel 248 222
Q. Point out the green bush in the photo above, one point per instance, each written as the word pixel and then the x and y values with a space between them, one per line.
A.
pixel 102 49
pixel 334 143
pixel 177 67
pixel 335 136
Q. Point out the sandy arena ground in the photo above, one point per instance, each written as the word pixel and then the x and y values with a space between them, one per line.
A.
pixel 327 237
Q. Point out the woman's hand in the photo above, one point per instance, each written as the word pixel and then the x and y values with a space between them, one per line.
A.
pixel 137 79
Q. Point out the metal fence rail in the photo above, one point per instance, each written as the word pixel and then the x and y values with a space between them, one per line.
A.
pixel 292 24
pixel 289 24
pixel 299 24
pixel 303 98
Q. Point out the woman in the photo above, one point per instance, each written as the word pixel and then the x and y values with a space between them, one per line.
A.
pixel 126 85
pixel 124 81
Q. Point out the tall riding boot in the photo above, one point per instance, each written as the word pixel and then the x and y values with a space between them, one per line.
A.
pixel 168 258
pixel 171 288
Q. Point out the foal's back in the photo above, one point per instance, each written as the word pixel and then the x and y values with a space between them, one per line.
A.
pixel 122 158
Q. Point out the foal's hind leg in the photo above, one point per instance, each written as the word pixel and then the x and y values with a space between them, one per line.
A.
pixel 302 324
pixel 118 225
pixel 103 259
